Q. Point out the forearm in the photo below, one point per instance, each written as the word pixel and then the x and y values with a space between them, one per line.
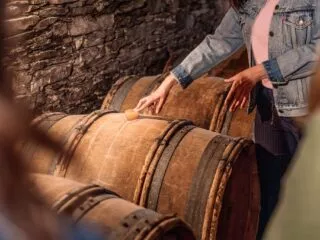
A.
pixel 169 82
pixel 207 55
pixel 214 49
pixel 295 64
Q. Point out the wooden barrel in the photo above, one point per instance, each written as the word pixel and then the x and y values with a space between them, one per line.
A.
pixel 203 102
pixel 169 166
pixel 118 219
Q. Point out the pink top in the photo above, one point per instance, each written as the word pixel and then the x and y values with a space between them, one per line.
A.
pixel 260 35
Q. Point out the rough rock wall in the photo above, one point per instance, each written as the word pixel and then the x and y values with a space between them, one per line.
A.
pixel 65 54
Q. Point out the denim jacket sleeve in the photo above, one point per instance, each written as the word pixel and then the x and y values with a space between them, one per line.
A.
pixel 214 49
pixel 296 63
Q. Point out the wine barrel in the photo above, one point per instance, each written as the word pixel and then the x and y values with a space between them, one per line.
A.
pixel 203 102
pixel 208 179
pixel 117 219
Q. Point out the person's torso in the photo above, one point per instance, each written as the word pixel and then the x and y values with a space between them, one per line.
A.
pixel 260 36
pixel 291 27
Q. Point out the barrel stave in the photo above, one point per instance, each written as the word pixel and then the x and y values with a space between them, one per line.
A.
pixel 203 102
pixel 117 218
pixel 142 87
pixel 58 130
pixel 237 193
pixel 197 102
pixel 111 152
pixel 168 166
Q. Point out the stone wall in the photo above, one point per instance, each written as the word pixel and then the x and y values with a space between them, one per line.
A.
pixel 65 54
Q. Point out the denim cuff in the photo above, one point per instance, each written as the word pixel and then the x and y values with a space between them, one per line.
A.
pixel 182 76
pixel 274 73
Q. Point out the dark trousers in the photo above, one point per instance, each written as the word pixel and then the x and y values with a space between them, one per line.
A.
pixel 277 139
pixel 271 169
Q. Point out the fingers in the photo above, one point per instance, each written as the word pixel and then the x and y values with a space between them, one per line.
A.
pixel 234 105
pixel 245 97
pixel 231 93
pixel 244 94
pixel 236 101
pixel 244 101
pixel 239 94
pixel 159 105
pixel 143 103
pixel 140 103
pixel 230 80
pixel 149 109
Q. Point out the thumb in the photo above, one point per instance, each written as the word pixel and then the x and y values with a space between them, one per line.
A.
pixel 229 80
pixel 159 105
pixel 139 106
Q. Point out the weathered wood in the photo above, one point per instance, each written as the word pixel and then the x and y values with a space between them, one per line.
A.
pixel 203 102
pixel 118 219
pixel 166 165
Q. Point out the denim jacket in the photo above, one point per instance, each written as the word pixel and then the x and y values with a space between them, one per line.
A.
pixel 294 33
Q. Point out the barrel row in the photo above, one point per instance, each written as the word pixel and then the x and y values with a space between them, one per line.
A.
pixel 169 166
pixel 203 102
pixel 116 218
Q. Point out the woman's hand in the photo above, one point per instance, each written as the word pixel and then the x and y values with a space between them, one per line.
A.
pixel 242 84
pixel 156 99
